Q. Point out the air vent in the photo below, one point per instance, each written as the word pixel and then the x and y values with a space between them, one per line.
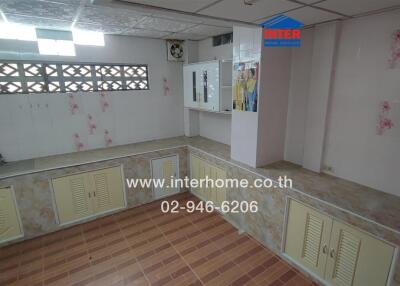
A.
pixel 312 242
pixel 222 39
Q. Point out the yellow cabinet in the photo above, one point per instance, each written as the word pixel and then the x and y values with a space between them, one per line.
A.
pixel 356 258
pixel 307 237
pixel 166 169
pixel 10 226
pixel 200 170
pixel 334 251
pixel 107 187
pixel 86 194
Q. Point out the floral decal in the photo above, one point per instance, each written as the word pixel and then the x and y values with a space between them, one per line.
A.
pixel 165 86
pixel 107 138
pixel 92 126
pixel 104 102
pixel 384 122
pixel 73 106
pixel 394 60
pixel 78 143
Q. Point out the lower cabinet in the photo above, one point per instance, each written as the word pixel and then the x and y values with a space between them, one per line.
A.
pixel 334 251
pixel 10 223
pixel 200 170
pixel 166 168
pixel 87 194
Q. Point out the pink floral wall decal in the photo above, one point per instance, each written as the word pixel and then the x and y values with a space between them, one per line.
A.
pixel 78 143
pixel 91 124
pixel 73 106
pixel 165 86
pixel 107 138
pixel 394 60
pixel 104 102
pixel 384 122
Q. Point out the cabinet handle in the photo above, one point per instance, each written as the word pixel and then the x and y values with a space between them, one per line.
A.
pixel 89 195
pixel 325 249
pixel 332 253
pixel 94 194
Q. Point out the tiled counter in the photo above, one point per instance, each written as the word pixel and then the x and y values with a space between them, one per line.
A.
pixel 367 209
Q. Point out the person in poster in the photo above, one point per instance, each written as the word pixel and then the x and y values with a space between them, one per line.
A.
pixel 245 86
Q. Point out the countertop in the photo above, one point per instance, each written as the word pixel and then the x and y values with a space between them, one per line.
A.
pixel 372 204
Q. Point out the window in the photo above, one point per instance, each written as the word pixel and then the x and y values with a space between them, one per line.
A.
pixel 39 77
pixel 222 39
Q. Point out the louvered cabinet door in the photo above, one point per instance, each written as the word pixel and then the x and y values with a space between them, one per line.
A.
pixel 220 193
pixel 356 258
pixel 107 189
pixel 72 197
pixel 165 169
pixel 10 227
pixel 194 171
pixel 307 237
pixel 202 176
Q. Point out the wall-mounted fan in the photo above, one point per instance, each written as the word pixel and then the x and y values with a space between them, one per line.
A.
pixel 175 51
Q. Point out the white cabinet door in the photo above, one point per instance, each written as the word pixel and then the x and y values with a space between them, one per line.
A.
pixel 191 77
pixel 165 169
pixel 210 86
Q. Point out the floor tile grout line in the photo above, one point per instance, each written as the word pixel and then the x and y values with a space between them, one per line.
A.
pixel 180 255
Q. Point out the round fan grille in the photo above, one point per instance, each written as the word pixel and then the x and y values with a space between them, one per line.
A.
pixel 176 50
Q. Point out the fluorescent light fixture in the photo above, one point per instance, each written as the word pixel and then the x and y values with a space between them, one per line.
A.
pixel 6 32
pixel 47 47
pixel 65 48
pixel 17 32
pixel 56 47
pixel 90 38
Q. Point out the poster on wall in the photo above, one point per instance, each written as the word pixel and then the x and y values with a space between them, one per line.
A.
pixel 245 86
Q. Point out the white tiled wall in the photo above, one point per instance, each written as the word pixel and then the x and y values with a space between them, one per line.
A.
pixel 37 125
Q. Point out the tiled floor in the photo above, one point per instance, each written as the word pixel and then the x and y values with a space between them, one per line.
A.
pixel 142 246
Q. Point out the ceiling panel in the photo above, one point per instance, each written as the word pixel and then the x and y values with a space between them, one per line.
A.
pixel 39 22
pixel 165 25
pixel 308 15
pixel 70 2
pixel 354 7
pixel 208 30
pixel 237 10
pixel 145 33
pixel 109 16
pixel 42 9
pixel 181 5
pixel 106 29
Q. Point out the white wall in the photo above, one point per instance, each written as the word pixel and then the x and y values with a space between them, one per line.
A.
pixel 207 52
pixel 352 148
pixel 37 125
pixel 298 95
pixel 363 79
pixel 321 80
pixel 211 125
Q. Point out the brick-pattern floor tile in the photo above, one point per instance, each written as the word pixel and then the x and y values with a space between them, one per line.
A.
pixel 143 246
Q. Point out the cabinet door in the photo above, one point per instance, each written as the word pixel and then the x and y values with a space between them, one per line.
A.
pixel 202 176
pixel 191 83
pixel 194 171
pixel 220 192
pixel 9 217
pixel 166 169
pixel 356 258
pixel 72 197
pixel 307 237
pixel 210 86
pixel 107 189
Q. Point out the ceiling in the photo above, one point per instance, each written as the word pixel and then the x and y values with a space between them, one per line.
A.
pixel 178 19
